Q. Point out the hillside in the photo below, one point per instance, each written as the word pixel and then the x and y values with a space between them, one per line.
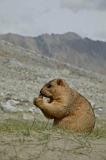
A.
pixel 67 48
pixel 21 72
pixel 24 131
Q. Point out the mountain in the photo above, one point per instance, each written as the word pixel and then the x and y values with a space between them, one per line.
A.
pixel 68 48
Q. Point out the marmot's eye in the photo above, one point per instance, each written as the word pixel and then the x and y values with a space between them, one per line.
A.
pixel 49 86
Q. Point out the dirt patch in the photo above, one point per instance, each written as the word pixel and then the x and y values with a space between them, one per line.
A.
pixel 24 140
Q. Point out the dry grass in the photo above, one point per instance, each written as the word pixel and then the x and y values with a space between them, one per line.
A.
pixel 28 127
pixel 20 139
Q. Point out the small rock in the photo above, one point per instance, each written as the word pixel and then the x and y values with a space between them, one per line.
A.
pixel 27 116
pixel 33 110
pixel 10 106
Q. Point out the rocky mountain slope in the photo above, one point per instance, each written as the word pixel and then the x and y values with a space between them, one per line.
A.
pixel 22 74
pixel 67 48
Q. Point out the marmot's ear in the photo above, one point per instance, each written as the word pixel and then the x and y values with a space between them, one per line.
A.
pixel 60 82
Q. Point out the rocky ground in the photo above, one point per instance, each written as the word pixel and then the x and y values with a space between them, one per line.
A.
pixel 24 132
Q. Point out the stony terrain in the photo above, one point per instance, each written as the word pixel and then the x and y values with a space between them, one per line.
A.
pixel 24 132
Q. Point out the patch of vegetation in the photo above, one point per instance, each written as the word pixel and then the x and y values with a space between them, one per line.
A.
pixel 21 126
pixel 29 127
pixel 99 130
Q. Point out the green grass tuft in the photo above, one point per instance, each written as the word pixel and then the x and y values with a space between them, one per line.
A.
pixel 24 127
pixel 28 127
pixel 99 130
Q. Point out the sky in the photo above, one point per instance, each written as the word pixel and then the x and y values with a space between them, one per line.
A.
pixel 35 17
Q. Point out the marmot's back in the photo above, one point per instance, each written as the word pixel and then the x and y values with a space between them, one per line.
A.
pixel 83 114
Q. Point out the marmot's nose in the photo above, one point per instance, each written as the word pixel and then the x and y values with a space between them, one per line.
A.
pixel 41 91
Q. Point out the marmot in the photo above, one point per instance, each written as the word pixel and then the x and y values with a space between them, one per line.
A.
pixel 66 106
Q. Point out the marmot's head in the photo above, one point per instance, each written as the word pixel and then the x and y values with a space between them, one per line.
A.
pixel 54 88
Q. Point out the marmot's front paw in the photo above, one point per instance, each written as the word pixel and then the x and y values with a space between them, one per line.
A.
pixel 38 101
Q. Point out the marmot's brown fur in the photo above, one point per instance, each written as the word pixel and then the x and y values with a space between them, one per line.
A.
pixel 66 106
